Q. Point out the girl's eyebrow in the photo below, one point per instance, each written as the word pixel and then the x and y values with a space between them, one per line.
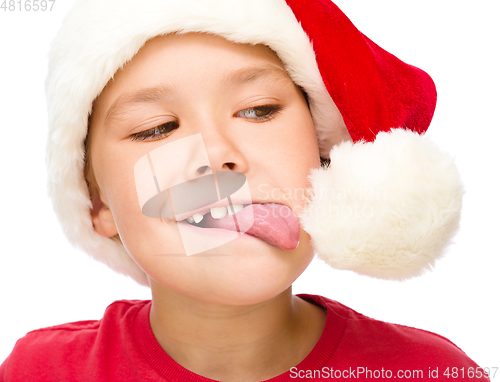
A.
pixel 155 94
pixel 257 73
pixel 145 95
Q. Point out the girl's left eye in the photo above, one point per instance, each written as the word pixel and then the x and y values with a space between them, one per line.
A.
pixel 259 113
pixel 156 133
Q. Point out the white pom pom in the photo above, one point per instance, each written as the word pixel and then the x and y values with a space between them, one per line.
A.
pixel 386 209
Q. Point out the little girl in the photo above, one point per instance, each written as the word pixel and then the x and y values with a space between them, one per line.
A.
pixel 209 149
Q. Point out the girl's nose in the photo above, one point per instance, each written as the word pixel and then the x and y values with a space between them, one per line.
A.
pixel 223 151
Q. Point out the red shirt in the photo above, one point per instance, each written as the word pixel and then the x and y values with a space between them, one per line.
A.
pixel 121 347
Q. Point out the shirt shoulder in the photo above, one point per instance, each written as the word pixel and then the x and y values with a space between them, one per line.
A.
pixel 42 351
pixel 371 344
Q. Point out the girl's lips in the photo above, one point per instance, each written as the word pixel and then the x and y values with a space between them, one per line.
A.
pixel 206 238
pixel 273 223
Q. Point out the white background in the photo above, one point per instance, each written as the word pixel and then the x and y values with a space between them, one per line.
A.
pixel 44 281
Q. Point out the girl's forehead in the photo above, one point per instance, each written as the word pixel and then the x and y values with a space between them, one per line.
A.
pixel 176 51
pixel 194 56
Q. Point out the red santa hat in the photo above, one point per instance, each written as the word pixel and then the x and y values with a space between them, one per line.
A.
pixel 390 200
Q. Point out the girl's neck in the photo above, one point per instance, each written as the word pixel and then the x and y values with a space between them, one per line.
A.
pixel 237 343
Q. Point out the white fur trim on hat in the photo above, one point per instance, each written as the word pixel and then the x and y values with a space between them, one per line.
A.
pixel 99 36
pixel 385 224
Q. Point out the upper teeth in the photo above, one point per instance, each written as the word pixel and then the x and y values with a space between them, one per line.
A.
pixel 235 208
pixel 197 218
pixel 217 212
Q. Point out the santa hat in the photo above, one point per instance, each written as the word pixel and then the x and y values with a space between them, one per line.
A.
pixel 388 203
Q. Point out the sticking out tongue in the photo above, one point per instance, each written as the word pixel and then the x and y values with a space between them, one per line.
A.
pixel 275 224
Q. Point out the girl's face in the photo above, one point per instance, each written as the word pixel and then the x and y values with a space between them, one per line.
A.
pixel 252 120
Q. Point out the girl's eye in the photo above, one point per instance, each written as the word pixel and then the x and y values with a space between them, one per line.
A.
pixel 157 132
pixel 259 113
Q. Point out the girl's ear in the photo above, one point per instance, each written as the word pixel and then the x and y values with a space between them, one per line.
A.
pixel 102 218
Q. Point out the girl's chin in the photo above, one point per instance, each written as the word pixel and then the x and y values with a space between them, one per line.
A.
pixel 244 271
pixel 228 280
